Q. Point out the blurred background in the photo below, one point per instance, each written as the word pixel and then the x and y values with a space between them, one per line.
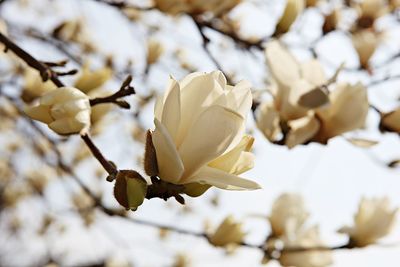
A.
pixel 46 217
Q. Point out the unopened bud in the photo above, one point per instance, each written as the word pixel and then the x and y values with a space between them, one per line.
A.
pixel 130 189
pixel 150 159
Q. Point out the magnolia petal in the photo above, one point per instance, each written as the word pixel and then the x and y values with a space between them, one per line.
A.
pixel 244 163
pixel 198 92
pixel 67 126
pixel 223 180
pixel 313 72
pixel 229 161
pixel 169 163
pixel 209 137
pixel 292 9
pixel 219 77
pixel 348 111
pixel 89 80
pixel 283 66
pixel 240 98
pixel 302 130
pixel 40 113
pixel 158 108
pixel 60 95
pixel 305 94
pixel 171 113
pixel 268 121
pixel 391 121
pixel 69 108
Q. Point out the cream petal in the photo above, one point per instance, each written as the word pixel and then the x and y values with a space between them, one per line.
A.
pixel 313 72
pixel 61 95
pixel 66 126
pixel 171 113
pixel 160 100
pixel 209 137
pixel 198 92
pixel 69 108
pixel 170 165
pixel 308 95
pixel 267 120
pixel 223 180
pixel 40 113
pixel 219 77
pixel 302 130
pixel 348 111
pixel 283 66
pixel 244 163
pixel 158 107
pixel 229 161
pixel 83 117
pixel 240 99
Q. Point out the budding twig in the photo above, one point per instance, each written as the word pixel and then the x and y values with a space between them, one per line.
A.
pixel 125 90
pixel 47 73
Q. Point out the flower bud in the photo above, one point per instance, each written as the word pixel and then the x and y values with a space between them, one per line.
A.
pixel 34 86
pixel 65 110
pixel 288 214
pixel 292 10
pixel 229 232
pixel 89 80
pixel 365 43
pixel 154 51
pixel 130 189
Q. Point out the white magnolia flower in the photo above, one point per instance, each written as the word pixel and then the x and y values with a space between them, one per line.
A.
pixel 302 109
pixel 288 214
pixel 293 80
pixel 65 110
pixel 34 86
pixel 373 220
pixel 229 232
pixel 307 238
pixel 199 135
pixel 365 43
pixel 89 80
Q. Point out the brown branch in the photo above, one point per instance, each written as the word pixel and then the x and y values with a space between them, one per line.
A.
pixel 125 90
pixel 110 168
pixel 123 4
pixel 205 42
pixel 242 43
pixel 45 71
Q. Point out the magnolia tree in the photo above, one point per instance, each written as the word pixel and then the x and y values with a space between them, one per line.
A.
pixel 128 128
